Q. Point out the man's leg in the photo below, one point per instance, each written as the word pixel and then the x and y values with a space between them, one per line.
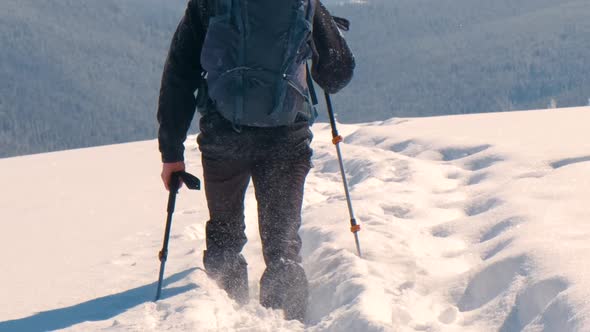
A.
pixel 226 182
pixel 279 191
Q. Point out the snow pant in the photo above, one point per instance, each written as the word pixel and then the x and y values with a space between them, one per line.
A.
pixel 277 161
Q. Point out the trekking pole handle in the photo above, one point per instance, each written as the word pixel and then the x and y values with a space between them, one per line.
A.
pixel 191 182
pixel 174 186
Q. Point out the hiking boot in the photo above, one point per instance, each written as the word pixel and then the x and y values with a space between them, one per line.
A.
pixel 284 286
pixel 230 271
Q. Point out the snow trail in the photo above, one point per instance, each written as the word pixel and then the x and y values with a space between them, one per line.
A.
pixel 466 227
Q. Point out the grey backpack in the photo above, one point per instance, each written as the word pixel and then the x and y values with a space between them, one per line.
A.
pixel 255 55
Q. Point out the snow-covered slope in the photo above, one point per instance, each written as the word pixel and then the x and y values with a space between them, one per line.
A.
pixel 470 223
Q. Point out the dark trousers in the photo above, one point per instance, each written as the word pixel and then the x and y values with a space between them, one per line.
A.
pixel 277 160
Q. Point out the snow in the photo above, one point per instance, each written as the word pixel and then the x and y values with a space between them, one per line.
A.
pixel 470 223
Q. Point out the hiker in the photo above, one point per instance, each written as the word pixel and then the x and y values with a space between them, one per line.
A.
pixel 248 66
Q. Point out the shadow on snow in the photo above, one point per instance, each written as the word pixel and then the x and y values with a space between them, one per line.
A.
pixel 98 309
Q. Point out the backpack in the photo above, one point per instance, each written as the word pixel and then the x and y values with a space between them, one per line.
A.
pixel 255 55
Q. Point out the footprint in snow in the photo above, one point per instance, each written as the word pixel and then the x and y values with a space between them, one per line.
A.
pixel 401 211
pixel 500 228
pixel 569 161
pixel 496 249
pixel 450 154
pixel 476 179
pixel 482 206
pixel 454 175
pixel 492 281
pixel 532 302
pixel 482 163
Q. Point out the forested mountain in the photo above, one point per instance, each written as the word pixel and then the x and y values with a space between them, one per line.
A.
pixel 82 73
pixel 426 57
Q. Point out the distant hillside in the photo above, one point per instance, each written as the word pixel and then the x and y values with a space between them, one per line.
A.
pixel 82 73
pixel 430 57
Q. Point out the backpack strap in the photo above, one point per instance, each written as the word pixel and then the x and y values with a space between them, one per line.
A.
pixel 310 86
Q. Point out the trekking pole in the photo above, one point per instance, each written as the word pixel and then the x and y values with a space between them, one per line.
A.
pixel 193 183
pixel 336 140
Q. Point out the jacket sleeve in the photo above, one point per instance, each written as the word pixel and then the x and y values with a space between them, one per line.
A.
pixel 333 62
pixel 180 80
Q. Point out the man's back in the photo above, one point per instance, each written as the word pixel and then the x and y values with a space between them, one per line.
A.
pixel 275 157
pixel 254 54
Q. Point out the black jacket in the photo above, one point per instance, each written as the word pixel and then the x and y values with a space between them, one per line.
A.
pixel 332 67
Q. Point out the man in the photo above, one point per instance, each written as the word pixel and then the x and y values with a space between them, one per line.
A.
pixel 247 139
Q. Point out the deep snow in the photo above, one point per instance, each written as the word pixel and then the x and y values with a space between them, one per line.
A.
pixel 470 223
